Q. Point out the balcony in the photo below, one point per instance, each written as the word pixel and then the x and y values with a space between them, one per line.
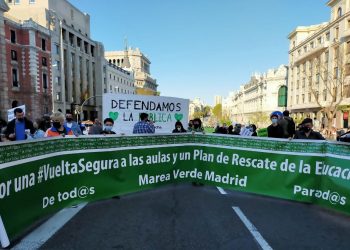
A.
pixel 311 52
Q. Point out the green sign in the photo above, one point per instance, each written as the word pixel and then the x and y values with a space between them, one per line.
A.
pixel 38 178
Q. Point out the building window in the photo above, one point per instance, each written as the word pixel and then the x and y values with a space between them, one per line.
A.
pixel 328 36
pixel 336 33
pixel 282 96
pixel 319 40
pixel 13 55
pixel 44 61
pixel 86 45
pixel 15 78
pixel 336 53
pixel 325 95
pixel 340 12
pixel 32 1
pixel 58 96
pixel 13 36
pixel 17 1
pixel 45 81
pixel 312 45
pixel 58 65
pixel 9 1
pixel 335 73
pixel 58 81
pixel 43 44
pixel 92 51
pixel 309 97
pixel 57 49
pixel 297 99
pixel 71 39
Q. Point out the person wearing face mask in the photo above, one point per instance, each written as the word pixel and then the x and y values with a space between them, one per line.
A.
pixel 58 128
pixel 275 130
pixel 197 126
pixel 108 126
pixel 19 128
pixel 305 132
pixel 74 126
pixel 179 128
pixel 190 126
pixel 253 130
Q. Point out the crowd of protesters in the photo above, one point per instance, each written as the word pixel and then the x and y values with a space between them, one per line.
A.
pixel 58 124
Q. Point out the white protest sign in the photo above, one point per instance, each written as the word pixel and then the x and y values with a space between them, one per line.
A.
pixel 11 113
pixel 125 110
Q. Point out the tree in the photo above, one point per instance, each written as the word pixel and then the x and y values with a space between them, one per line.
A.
pixel 217 111
pixel 330 85
pixel 206 111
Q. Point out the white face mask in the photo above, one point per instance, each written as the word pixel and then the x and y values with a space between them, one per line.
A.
pixel 274 120
pixel 178 129
pixel 108 128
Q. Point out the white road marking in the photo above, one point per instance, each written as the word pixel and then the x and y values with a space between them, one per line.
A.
pixel 221 190
pixel 252 229
pixel 4 239
pixel 40 235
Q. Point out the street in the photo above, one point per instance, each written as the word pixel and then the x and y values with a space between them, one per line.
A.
pixel 198 217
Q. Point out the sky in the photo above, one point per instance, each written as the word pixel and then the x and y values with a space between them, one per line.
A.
pixel 202 48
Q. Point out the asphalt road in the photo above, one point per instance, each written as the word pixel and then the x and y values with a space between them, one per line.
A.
pixel 189 217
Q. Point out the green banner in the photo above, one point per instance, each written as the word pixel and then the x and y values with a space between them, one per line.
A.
pixel 38 178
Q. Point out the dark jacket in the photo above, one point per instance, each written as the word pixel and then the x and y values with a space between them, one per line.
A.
pixel 11 127
pixel 275 131
pixel 312 136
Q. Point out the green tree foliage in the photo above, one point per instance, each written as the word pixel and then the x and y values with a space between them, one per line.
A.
pixel 217 111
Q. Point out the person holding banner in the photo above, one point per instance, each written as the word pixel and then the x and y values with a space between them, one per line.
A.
pixel 179 128
pixel 144 126
pixel 305 132
pixel 197 126
pixel 58 128
pixel 275 130
pixel 19 128
pixel 108 126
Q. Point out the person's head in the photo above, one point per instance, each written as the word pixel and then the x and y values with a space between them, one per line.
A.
pixel 237 128
pixel 143 116
pixel 19 114
pixel 197 123
pixel 108 124
pixel 230 129
pixel 69 117
pixel 306 125
pixel 57 120
pixel 286 113
pixel 179 126
pixel 97 121
pixel 224 125
pixel 253 127
pixel 274 118
pixel 190 123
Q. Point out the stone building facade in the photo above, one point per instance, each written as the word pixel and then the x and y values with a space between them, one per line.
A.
pixel 118 80
pixel 255 100
pixel 25 57
pixel 134 60
pixel 319 62
pixel 77 60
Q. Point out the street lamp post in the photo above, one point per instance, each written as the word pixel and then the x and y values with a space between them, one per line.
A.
pixel 85 101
